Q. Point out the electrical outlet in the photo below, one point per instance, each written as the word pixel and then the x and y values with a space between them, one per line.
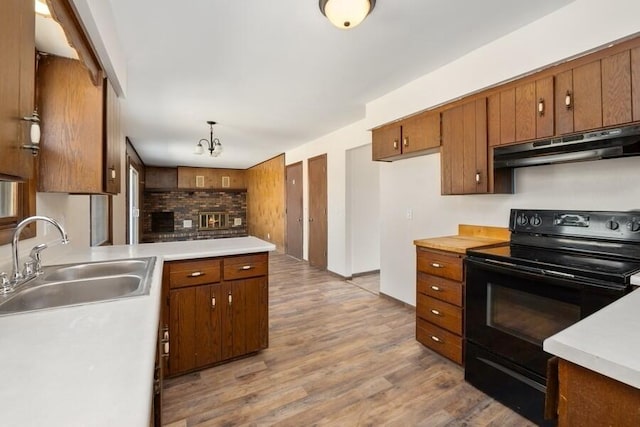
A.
pixel 409 213
pixel 187 223
pixel 237 222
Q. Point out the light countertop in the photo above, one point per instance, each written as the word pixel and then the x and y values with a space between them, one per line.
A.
pixel 607 342
pixel 92 364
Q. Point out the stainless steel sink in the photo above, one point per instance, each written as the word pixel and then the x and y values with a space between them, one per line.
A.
pixel 84 283
pixel 94 269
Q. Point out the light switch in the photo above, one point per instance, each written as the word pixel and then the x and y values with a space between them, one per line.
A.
pixel 409 213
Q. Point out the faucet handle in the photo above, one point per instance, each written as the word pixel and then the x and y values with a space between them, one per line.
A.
pixel 6 284
pixel 34 255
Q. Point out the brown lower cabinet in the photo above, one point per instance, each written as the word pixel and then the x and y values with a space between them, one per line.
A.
pixel 439 302
pixel 581 397
pixel 215 309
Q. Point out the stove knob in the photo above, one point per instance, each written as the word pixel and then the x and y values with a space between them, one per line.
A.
pixel 536 221
pixel 522 220
pixel 612 224
pixel 633 226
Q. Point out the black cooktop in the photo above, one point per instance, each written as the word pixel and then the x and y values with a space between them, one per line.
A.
pixel 609 269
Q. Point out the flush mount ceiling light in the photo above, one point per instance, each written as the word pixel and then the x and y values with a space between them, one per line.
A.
pixel 213 144
pixel 346 14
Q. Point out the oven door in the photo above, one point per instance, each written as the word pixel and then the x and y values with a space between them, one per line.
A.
pixel 511 312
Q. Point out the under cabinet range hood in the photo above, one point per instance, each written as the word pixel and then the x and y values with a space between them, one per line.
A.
pixel 602 144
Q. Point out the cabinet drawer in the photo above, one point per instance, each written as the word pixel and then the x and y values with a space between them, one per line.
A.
pixel 440 264
pixel 242 267
pixel 445 315
pixel 442 289
pixel 439 340
pixel 189 273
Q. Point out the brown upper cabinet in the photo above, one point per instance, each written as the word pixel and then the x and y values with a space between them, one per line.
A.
pixel 521 113
pixel 17 68
pixel 597 94
pixel 211 179
pixel 157 178
pixel 81 137
pixel 409 137
pixel 464 148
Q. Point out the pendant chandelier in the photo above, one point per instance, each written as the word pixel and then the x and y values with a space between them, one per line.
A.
pixel 214 146
pixel 346 14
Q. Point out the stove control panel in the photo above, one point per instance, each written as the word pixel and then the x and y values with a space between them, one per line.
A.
pixel 623 226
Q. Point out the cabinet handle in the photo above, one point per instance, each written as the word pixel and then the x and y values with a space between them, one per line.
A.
pixel 196 274
pixel 477 177
pixel 230 298
pixel 436 265
pixel 568 102
pixel 541 107
pixel 405 141
pixel 165 334
pixel 435 288
pixel 436 312
pixel 395 144
pixel 113 172
pixel 435 338
pixel 213 302
pixel 246 267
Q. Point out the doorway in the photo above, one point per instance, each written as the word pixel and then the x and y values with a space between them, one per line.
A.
pixel 134 206
pixel 294 210
pixel 318 211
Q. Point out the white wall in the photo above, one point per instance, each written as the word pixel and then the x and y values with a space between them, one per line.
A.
pixel 363 211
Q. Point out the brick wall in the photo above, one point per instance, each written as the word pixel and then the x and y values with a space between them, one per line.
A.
pixel 188 204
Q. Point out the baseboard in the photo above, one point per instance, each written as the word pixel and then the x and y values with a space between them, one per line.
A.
pixel 365 273
pixel 397 301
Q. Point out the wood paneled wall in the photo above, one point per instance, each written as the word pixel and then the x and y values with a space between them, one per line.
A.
pixel 266 201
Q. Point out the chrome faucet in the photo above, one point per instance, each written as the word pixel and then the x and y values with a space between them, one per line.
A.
pixel 33 265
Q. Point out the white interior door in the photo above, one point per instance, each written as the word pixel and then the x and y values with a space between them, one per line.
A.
pixel 134 208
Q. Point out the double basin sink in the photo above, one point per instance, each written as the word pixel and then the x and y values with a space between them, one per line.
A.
pixel 82 283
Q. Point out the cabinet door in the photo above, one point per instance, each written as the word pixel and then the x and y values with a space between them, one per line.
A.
pixel 420 132
pixel 475 147
pixel 207 327
pixel 544 108
pixel 635 83
pixel 452 150
pixel 113 140
pixel 616 89
pixel 464 149
pixel 71 107
pixel 587 97
pixel 386 142
pixel 17 65
pixel 182 323
pixel 244 316
pixel 564 102
pixel 160 178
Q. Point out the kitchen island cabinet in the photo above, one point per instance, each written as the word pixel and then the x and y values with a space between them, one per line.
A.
pixel 440 287
pixel 216 309
pixel 93 364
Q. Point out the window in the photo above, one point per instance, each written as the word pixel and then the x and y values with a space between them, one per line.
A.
pixel 100 220
pixel 17 201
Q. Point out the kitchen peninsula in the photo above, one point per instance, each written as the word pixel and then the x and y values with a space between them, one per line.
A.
pixel 93 364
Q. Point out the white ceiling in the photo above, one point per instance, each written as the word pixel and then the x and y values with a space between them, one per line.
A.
pixel 276 74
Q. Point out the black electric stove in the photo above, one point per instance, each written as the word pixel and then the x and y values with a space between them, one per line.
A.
pixel 558 268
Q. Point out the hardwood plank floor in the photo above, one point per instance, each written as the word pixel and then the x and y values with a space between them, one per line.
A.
pixel 338 355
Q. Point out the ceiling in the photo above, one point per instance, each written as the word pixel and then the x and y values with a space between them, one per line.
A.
pixel 277 74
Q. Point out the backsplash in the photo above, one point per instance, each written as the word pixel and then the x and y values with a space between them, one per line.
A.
pixel 186 205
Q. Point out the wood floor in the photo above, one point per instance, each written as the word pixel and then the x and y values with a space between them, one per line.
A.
pixel 338 355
